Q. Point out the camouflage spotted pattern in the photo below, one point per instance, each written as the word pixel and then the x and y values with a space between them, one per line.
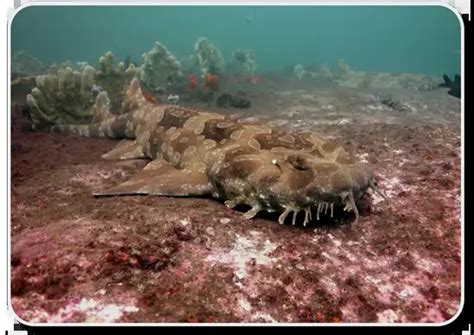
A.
pixel 196 153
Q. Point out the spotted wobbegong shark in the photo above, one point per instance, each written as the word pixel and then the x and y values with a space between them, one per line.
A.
pixel 196 153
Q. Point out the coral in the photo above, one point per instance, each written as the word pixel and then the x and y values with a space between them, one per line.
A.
pixel 54 68
pixel 132 71
pixel 346 77
pixel 108 68
pixel 121 67
pixel 81 65
pixel 207 57
pixel 299 71
pixel 344 67
pixel 160 67
pixel 325 72
pixel 188 64
pixel 107 63
pixel 23 63
pixel 61 98
pixel 66 95
pixel 114 79
pixel 245 61
pixel 87 79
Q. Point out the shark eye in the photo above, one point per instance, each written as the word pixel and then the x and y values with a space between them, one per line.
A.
pixel 298 162
pixel 275 162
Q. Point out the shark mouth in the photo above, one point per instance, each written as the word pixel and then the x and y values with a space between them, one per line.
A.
pixel 347 198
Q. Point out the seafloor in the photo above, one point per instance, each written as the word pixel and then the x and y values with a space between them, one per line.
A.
pixel 76 258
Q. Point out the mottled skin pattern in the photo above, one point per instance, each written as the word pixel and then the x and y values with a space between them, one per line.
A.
pixel 197 153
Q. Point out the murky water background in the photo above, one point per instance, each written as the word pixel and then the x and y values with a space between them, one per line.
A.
pixel 377 39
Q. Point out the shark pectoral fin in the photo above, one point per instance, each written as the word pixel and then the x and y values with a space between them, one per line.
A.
pixel 126 149
pixel 161 178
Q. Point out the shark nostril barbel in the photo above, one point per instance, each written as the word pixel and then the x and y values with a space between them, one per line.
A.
pixel 374 188
pixel 253 211
pixel 353 205
pixel 283 216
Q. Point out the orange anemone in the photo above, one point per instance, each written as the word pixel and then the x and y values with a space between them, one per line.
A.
pixel 150 98
pixel 192 82
pixel 211 82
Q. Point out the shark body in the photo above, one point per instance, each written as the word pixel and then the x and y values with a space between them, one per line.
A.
pixel 196 153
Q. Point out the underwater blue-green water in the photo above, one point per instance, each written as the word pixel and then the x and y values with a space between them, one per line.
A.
pixel 370 38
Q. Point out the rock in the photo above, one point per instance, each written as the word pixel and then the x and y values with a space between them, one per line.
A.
pixel 240 103
pixel 224 100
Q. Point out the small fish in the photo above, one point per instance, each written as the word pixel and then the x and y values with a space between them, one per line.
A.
pixel 150 98
pixel 211 82
pixel 192 82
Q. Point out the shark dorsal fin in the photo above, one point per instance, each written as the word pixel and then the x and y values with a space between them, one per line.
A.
pixel 101 108
pixel 133 98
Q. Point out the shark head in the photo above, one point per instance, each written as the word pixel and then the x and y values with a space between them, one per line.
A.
pixel 292 181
